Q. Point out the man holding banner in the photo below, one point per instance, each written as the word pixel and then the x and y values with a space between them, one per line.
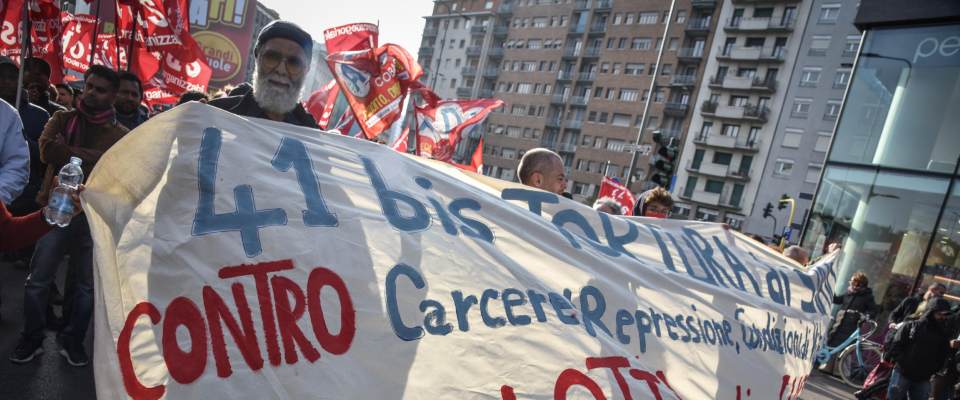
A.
pixel 283 52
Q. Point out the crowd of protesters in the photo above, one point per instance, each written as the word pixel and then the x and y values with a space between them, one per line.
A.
pixel 57 121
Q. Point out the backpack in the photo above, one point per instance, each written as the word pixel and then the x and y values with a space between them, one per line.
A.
pixel 899 340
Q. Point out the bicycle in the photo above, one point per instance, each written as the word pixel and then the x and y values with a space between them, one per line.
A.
pixel 858 355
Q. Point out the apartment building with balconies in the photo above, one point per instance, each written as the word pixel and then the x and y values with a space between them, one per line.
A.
pixel 458 48
pixel 806 124
pixel 736 113
pixel 575 76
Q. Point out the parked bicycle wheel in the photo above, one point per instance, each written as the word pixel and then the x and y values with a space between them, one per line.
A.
pixel 851 370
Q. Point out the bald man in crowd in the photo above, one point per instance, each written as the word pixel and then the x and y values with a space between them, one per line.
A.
pixel 542 169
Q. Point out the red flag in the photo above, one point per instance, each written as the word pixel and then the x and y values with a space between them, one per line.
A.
pixel 441 124
pixel 476 161
pixel 351 37
pixel 155 93
pixel 321 102
pixel 401 143
pixel 613 189
pixel 375 83
pixel 77 35
pixel 186 68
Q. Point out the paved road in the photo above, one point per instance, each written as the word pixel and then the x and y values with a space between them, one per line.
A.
pixel 50 377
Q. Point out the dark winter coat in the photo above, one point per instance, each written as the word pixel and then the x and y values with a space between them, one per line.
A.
pixel 846 322
pixel 905 308
pixel 920 347
pixel 247 106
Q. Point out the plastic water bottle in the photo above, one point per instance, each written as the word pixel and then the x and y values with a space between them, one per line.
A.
pixel 60 208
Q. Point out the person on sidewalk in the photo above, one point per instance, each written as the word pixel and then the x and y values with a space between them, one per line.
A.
pixel 86 132
pixel 918 350
pixel 857 302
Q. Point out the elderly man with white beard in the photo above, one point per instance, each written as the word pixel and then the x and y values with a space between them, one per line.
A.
pixel 283 52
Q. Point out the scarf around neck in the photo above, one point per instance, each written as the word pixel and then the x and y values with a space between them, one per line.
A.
pixel 89 117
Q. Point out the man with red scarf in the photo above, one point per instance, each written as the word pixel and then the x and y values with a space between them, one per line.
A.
pixel 86 132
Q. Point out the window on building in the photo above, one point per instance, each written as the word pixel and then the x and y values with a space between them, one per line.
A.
pixel 738 101
pixel 639 43
pixel 616 68
pixel 705 129
pixel 832 110
pixel 666 69
pixel 633 69
pixel 620 119
pixel 615 144
pixel 713 186
pixel 673 44
pixel 622 43
pixel 629 94
pixel 813 173
pixel 810 76
pixel 754 42
pixel 722 158
pixel 617 19
pixel 783 167
pixel 591 117
pixel 610 93
pixel 792 138
pixel 819 45
pixel 540 22
pixel 690 187
pixel 604 68
pixel 602 118
pixel 453 83
pixel 508 153
pixel 801 107
pixel 681 16
pixel 823 142
pixel 646 18
pixel 730 130
pixel 841 79
pixel 535 43
pixel 829 13
pixel 763 12
pixel 851 45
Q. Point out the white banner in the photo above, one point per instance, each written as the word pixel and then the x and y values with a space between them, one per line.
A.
pixel 241 258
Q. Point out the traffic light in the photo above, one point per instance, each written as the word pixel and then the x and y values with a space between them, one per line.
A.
pixel 782 203
pixel 663 162
pixel 768 210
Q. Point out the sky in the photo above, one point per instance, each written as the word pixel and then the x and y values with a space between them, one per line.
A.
pixel 401 21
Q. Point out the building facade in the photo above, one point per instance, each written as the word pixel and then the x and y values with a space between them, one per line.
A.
pixel 739 103
pixel 806 122
pixel 456 48
pixel 575 76
pixel 889 192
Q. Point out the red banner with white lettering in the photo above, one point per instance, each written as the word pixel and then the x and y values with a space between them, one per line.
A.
pixel 78 31
pixel 375 83
pixel 612 188
pixel 321 102
pixel 351 37
pixel 442 123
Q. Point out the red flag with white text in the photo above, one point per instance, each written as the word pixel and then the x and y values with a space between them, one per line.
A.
pixel 441 124
pixel 321 103
pixel 612 188
pixel 375 83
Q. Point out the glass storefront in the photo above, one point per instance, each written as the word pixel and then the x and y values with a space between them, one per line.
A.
pixel 883 194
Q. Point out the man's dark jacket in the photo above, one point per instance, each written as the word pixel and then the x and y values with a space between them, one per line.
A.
pixel 920 347
pixel 247 106
pixel 34 119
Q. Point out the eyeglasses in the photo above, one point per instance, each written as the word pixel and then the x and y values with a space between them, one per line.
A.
pixel 271 60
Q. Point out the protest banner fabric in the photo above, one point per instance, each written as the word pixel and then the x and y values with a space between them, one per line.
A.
pixel 244 258
pixel 615 190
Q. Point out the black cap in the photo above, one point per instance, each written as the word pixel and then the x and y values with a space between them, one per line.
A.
pixel 37 64
pixel 285 30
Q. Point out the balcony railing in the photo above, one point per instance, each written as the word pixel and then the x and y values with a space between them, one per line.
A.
pixel 592 52
pixel 587 76
pixel 558 99
pixel 603 4
pixel 703 3
pixel 759 24
pixel 426 51
pixel 729 142
pixel 700 24
pixel 553 122
pixel 582 5
pixel 474 51
pixel 565 75
pixel 469 71
pixel 744 53
pixel 573 124
pixel 743 83
pixel 505 8
pixel 675 109
pixel 478 29
pixel 495 52
pixel 566 147
pixel 486 93
pixel 577 29
pixel 756 112
pixel 683 80
pixel 578 100
pixel 768 84
pixel 428 32
pixel 690 52
pixel 571 52
pixel 598 28
pixel 708 107
pixel 464 92
pixel 500 30
pixel 491 72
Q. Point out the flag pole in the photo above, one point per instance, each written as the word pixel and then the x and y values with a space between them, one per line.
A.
pixel 96 31
pixel 24 50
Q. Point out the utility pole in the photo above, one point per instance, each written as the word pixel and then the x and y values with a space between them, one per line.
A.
pixel 653 91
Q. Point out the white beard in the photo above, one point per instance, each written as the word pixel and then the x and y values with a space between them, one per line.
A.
pixel 275 99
